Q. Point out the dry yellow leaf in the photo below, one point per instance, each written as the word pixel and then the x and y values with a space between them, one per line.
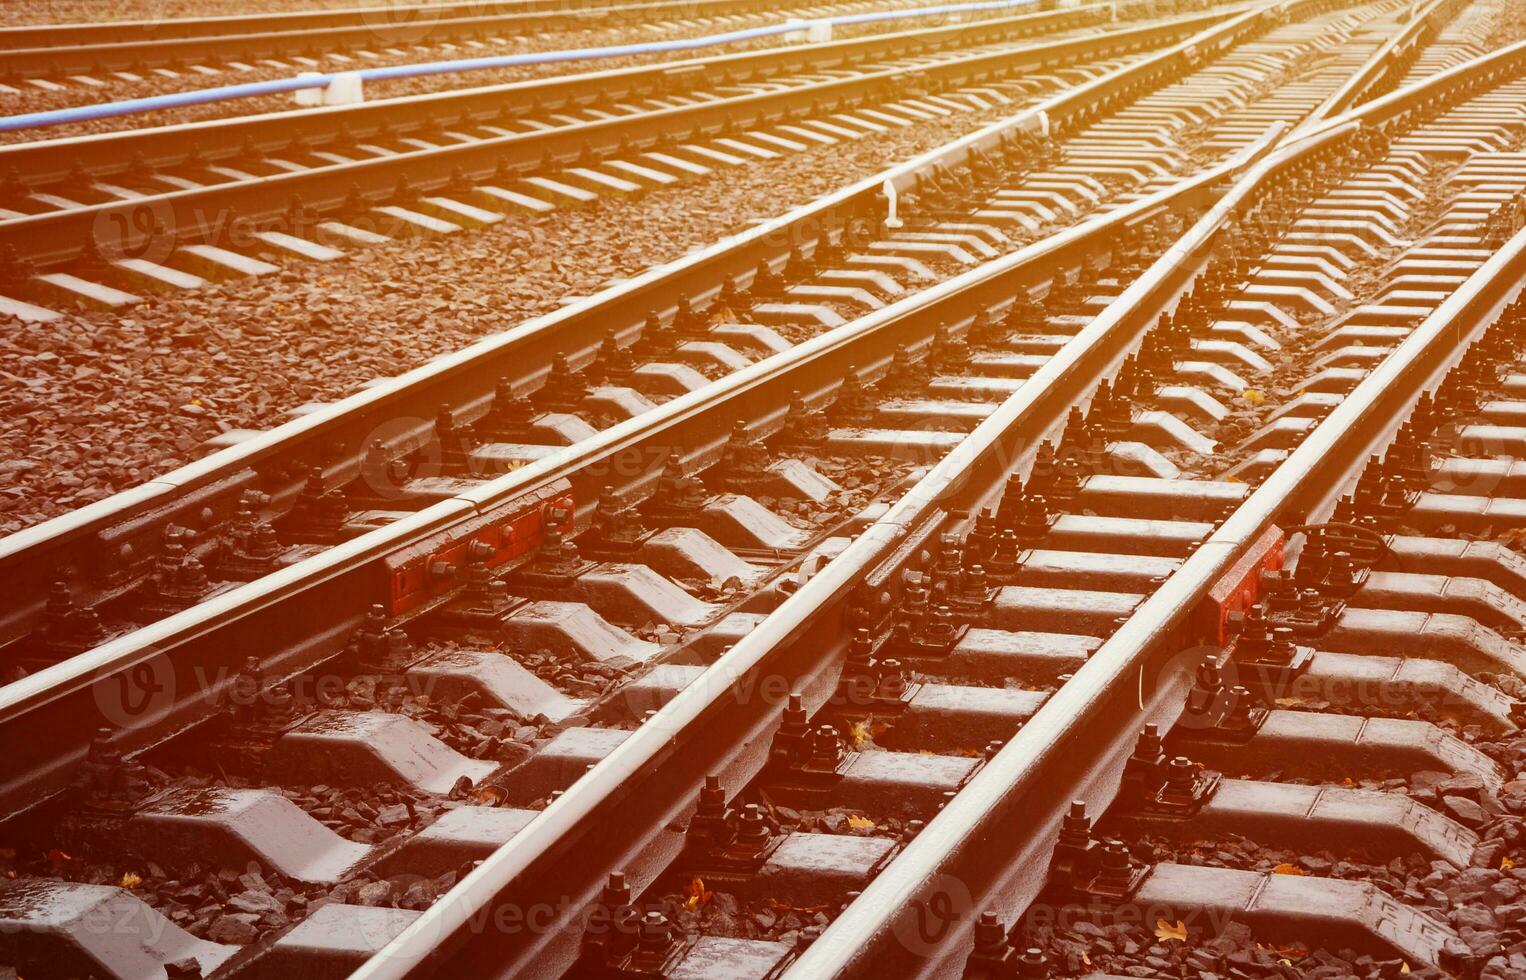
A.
pixel 1253 395
pixel 131 879
pixel 858 733
pixel 1403 967
pixel 1506 863
pixel 860 823
pixel 1167 931
pixel 1287 869
pixel 696 894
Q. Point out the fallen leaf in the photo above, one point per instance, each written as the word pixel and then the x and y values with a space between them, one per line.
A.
pixel 1287 869
pixel 860 823
pixel 696 894
pixel 489 795
pixel 1506 863
pixel 56 856
pixel 130 879
pixel 858 733
pixel 1403 967
pixel 1254 396
pixel 1167 931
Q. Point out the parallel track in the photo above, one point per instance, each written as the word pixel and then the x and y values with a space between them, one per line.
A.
pixel 47 56
pixel 399 412
pixel 482 147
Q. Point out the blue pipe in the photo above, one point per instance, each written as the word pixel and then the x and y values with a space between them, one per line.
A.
pixel 154 103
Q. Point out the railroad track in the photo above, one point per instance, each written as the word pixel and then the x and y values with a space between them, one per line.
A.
pixel 600 90
pixel 50 550
pixel 1073 604
pixel 920 675
pixel 53 58
pixel 315 184
pixel 653 372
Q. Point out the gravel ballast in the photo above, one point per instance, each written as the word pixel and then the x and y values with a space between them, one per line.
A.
pixel 97 402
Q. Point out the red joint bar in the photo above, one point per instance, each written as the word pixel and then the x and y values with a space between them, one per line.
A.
pixel 513 530
pixel 1240 587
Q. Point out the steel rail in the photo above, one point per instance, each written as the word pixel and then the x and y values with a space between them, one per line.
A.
pixel 102 154
pixel 988 850
pixel 228 628
pixel 116 31
pixel 272 595
pixel 306 611
pixel 721 724
pixel 87 545
pixel 713 727
pixel 682 741
pixel 68 50
pixel 1427 19
pixel 203 213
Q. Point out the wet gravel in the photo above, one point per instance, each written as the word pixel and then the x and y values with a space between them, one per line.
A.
pixel 94 403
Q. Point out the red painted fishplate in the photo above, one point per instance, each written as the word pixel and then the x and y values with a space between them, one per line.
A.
pixel 1240 587
pixel 430 568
